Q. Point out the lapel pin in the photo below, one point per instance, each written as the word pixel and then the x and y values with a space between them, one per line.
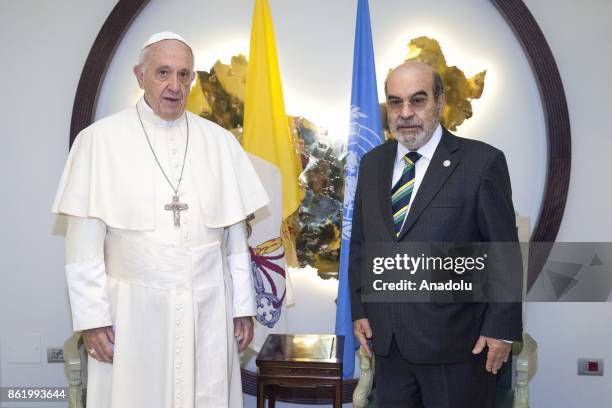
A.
pixel 446 163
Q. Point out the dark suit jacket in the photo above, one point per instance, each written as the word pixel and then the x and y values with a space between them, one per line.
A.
pixel 468 201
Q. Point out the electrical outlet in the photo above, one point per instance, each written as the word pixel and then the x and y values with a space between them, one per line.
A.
pixel 590 366
pixel 55 355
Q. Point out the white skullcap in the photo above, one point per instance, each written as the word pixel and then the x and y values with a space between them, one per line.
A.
pixel 164 35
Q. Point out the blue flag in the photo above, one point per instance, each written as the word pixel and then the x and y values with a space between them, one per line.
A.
pixel 365 133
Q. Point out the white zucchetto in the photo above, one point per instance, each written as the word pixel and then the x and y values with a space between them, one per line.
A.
pixel 164 35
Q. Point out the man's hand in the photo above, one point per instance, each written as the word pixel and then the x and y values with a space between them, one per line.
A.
pixel 243 327
pixel 499 351
pixel 99 343
pixel 363 332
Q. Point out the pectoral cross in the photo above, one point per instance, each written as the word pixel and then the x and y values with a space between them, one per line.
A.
pixel 176 207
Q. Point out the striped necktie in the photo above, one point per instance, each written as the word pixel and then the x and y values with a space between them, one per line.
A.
pixel 402 191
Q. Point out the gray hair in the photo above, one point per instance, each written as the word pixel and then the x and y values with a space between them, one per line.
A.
pixel 144 53
pixel 438 85
pixel 142 56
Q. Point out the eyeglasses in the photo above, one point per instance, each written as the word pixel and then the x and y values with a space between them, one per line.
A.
pixel 415 103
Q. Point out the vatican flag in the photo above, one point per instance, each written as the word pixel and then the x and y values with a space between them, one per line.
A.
pixel 267 137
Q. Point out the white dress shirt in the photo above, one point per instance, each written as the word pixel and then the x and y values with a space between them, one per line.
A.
pixel 426 151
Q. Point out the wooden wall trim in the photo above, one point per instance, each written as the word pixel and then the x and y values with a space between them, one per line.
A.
pixel 98 60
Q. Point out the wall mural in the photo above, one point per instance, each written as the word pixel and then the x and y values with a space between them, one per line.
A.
pixel 218 95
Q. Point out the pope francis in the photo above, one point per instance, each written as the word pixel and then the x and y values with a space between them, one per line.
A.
pixel 156 250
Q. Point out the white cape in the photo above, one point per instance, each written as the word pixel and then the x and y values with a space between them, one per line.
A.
pixel 109 175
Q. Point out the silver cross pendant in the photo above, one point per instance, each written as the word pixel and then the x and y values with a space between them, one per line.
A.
pixel 176 207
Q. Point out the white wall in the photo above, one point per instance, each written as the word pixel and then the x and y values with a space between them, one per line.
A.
pixel 44 48
pixel 578 34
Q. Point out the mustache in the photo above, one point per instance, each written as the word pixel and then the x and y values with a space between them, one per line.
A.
pixel 408 122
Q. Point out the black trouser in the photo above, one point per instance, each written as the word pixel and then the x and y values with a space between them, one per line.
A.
pixel 401 384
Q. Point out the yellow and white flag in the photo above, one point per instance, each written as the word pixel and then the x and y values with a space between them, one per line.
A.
pixel 268 139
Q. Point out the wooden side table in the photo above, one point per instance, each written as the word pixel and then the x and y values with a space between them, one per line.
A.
pixel 299 360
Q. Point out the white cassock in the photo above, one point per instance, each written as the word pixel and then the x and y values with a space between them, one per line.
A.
pixel 170 293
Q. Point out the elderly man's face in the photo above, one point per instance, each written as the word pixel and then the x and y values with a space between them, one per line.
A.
pixel 166 75
pixel 412 111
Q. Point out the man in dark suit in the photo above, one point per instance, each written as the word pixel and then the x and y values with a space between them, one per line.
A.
pixel 453 190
